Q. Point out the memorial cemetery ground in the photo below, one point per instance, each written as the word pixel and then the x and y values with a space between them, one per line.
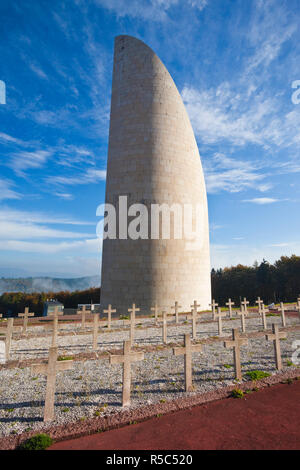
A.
pixel 74 369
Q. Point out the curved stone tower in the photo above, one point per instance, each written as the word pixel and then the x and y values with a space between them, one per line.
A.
pixel 153 158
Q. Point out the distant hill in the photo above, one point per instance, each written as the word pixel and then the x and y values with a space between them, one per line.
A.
pixel 47 284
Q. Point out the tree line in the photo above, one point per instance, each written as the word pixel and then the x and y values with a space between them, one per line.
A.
pixel 15 302
pixel 278 282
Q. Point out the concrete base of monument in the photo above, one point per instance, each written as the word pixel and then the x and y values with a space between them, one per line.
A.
pixel 128 416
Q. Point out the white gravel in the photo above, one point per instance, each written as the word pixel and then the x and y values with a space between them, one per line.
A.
pixel 93 386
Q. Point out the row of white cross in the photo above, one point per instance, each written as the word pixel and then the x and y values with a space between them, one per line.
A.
pixel 53 366
pixel 217 316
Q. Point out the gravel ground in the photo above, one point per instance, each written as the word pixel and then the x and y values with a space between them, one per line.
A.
pixel 75 343
pixel 94 388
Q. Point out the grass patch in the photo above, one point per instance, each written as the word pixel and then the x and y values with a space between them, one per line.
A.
pixel 65 358
pixel 237 393
pixel 228 366
pixel 124 317
pixel 290 364
pixel 37 442
pixel 257 374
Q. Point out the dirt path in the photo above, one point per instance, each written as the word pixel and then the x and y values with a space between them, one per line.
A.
pixel 267 419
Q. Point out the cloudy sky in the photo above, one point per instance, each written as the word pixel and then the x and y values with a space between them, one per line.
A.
pixel 234 63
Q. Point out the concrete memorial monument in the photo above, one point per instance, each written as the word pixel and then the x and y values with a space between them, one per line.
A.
pixel 154 166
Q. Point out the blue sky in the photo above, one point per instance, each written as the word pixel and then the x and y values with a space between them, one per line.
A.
pixel 233 61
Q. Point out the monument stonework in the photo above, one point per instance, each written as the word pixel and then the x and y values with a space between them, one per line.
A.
pixel 153 158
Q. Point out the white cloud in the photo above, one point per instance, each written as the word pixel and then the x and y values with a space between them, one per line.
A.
pixel 23 161
pixel 200 4
pixel 263 200
pixel 281 244
pixel 155 10
pixel 7 214
pixel 269 29
pixel 223 173
pixel 66 196
pixel 38 71
pixel 92 175
pixel 72 155
pixel 21 225
pixel 6 191
pixel 20 230
pixel 5 138
pixel 84 246
pixel 228 114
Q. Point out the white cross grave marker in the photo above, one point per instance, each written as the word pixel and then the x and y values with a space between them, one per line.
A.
pixel 8 330
pixel 263 316
pixel 243 314
pixel 164 327
pixel 55 326
pixel 259 302
pixel 214 305
pixel 155 310
pixel 126 359
pixel 176 309
pixel 276 337
pixel 187 350
pixel 244 304
pixel 95 330
pixel 236 344
pixel 230 305
pixel 219 316
pixel 83 313
pixel 194 318
pixel 282 312
pixel 109 311
pixel 25 315
pixel 51 370
pixel 132 322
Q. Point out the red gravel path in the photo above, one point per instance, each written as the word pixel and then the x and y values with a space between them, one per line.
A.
pixel 267 419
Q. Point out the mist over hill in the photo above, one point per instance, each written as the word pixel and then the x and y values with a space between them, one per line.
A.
pixel 47 284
